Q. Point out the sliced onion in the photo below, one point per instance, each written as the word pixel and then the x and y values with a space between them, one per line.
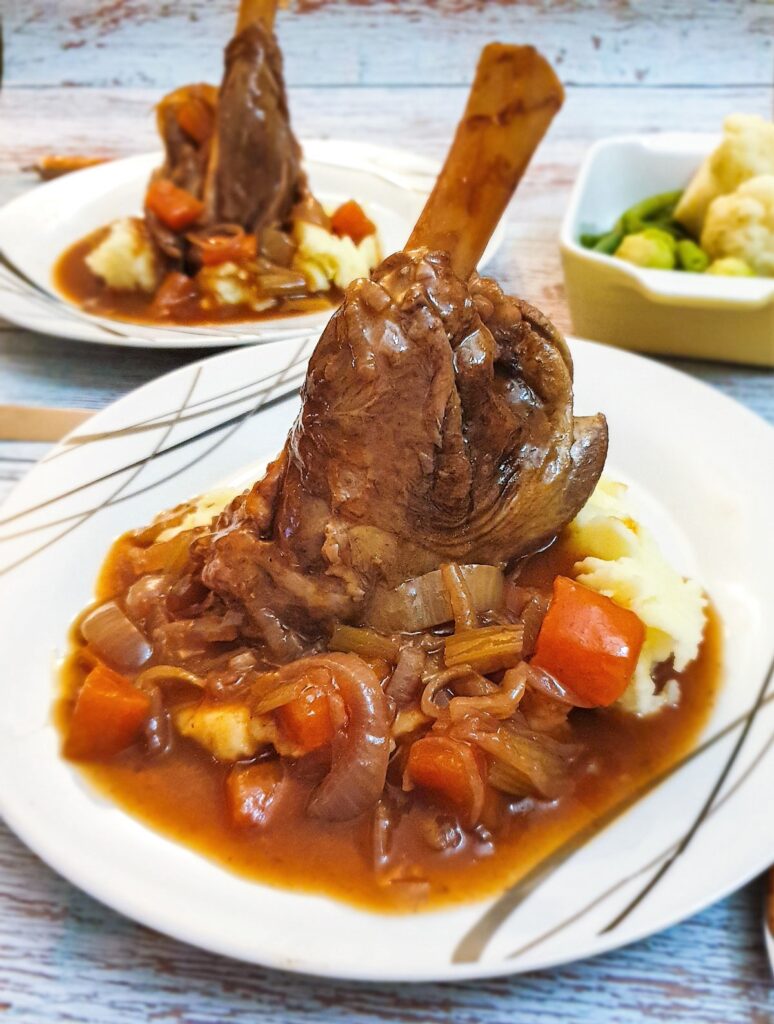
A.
pixel 361 750
pixel 115 639
pixel 501 704
pixel 460 597
pixel 406 680
pixel 167 674
pixel 159 735
pixel 529 605
pixel 423 602
pixel 462 678
pixel 281 696
pixel 542 681
pixel 535 763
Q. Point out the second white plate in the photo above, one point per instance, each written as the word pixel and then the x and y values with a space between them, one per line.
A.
pixel 38 226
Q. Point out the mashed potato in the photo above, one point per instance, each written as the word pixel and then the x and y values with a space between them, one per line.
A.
pixel 125 259
pixel 324 258
pixel 622 561
pixel 201 512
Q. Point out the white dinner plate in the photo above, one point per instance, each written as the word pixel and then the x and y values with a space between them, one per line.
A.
pixel 701 473
pixel 38 226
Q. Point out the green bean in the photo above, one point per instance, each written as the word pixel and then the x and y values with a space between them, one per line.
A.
pixel 648 212
pixel 691 256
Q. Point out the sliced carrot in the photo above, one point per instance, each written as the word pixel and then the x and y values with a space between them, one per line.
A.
pixel 451 769
pixel 108 716
pixel 174 291
pixel 307 720
pixel 251 791
pixel 349 219
pixel 172 205
pixel 588 642
pixel 196 118
pixel 216 249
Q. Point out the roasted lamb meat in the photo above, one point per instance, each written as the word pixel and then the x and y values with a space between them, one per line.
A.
pixel 437 421
pixel 233 147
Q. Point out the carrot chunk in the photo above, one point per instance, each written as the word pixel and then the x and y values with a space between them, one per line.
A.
pixel 172 205
pixel 108 716
pixel 588 642
pixel 451 769
pixel 175 292
pixel 307 720
pixel 196 118
pixel 251 791
pixel 216 249
pixel 349 219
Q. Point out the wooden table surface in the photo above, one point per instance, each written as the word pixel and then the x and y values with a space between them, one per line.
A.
pixel 82 76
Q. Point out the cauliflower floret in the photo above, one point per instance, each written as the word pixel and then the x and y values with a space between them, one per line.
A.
pixel 126 259
pixel 325 259
pixel 742 225
pixel 747 150
pixel 227 731
pixel 730 266
pixel 623 562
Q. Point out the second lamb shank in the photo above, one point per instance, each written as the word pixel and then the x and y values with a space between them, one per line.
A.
pixel 437 422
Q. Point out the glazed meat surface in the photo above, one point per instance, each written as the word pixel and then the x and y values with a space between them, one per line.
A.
pixel 437 425
pixel 254 176
pixel 242 159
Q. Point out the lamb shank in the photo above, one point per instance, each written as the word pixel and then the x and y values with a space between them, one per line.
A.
pixel 437 419
pixel 233 148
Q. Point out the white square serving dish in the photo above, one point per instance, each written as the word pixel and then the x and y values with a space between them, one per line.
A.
pixel 659 311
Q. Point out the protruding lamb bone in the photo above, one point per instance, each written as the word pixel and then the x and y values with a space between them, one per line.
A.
pixel 254 175
pixel 513 99
pixel 256 12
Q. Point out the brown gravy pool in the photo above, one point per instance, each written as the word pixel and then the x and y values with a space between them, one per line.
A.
pixel 73 279
pixel 182 796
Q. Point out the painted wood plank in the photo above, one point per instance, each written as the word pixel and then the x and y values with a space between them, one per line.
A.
pixel 417 42
pixel 63 957
pixel 120 122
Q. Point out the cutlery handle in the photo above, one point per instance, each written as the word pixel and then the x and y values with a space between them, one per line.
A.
pixel 38 423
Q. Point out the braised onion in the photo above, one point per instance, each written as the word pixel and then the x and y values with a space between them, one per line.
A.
pixel 534 763
pixel 361 750
pixel 406 680
pixel 501 704
pixel 423 602
pixel 542 681
pixel 460 597
pixel 115 638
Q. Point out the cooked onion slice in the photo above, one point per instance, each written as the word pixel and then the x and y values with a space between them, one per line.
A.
pixel 361 751
pixel 115 639
pixel 542 681
pixel 460 597
pixel 423 602
pixel 500 704
pixel 523 762
pixel 361 746
pixel 406 680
